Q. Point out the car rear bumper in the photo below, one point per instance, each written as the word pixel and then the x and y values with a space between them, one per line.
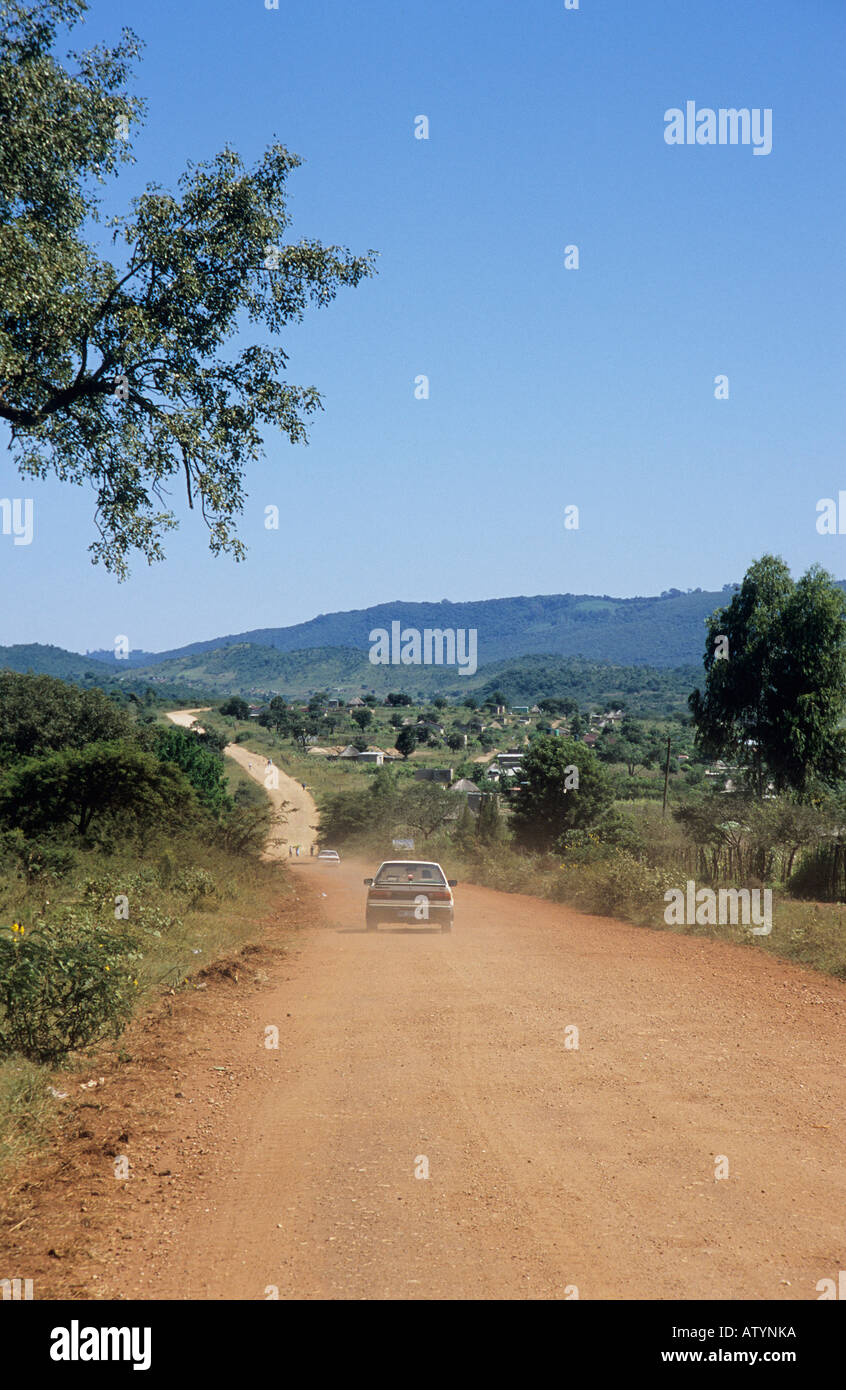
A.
pixel 410 913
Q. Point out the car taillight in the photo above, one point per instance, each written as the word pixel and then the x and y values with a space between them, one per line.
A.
pixel 380 893
pixel 438 895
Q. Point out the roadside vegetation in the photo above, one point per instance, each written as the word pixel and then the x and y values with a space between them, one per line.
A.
pixel 130 857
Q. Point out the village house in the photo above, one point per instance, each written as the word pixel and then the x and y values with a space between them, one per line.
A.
pixel 373 755
pixel 508 764
pixel 470 792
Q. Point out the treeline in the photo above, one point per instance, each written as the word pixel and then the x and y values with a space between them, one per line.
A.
pixel 81 770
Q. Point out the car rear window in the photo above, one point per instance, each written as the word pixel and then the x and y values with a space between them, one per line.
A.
pixel 410 873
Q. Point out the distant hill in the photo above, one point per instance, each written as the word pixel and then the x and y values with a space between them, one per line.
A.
pixel 259 672
pixel 42 660
pixel 646 652
pixel 55 661
pixel 659 631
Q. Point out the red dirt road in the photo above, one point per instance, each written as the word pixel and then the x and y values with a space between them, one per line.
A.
pixel 550 1168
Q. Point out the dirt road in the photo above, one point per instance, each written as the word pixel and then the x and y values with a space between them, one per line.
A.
pixel 550 1168
pixel 297 814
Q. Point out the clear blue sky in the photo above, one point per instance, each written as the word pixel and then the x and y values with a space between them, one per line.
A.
pixel 548 387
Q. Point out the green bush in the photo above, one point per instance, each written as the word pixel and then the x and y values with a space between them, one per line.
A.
pixel 100 892
pixel 617 883
pixel 199 760
pixel 584 847
pixel 63 988
pixel 194 884
pixel 36 860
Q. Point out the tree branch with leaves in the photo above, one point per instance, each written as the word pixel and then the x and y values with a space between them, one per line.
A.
pixel 130 374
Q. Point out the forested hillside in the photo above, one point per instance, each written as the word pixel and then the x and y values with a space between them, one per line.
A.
pixel 661 631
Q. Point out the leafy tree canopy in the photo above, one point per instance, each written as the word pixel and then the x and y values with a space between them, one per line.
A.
pixel 201 762
pixel 547 805
pixel 117 373
pixel 775 679
pixel 235 708
pixel 79 788
pixel 406 741
pixel 40 713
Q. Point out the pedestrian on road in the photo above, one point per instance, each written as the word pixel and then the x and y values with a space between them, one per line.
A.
pixel 290 850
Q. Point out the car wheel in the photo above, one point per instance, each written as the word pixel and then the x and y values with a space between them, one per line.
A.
pixel 447 926
pixel 371 924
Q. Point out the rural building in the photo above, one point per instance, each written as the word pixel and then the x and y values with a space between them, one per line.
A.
pixel 506 764
pixel 470 792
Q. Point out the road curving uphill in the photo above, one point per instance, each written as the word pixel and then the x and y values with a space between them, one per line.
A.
pixel 298 814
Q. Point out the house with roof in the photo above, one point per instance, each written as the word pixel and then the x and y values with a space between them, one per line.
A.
pixel 470 792
pixel 430 726
pixel 508 764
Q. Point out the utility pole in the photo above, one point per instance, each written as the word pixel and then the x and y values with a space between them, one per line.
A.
pixel 666 778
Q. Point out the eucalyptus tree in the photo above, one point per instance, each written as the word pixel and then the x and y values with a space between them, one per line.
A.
pixel 774 696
